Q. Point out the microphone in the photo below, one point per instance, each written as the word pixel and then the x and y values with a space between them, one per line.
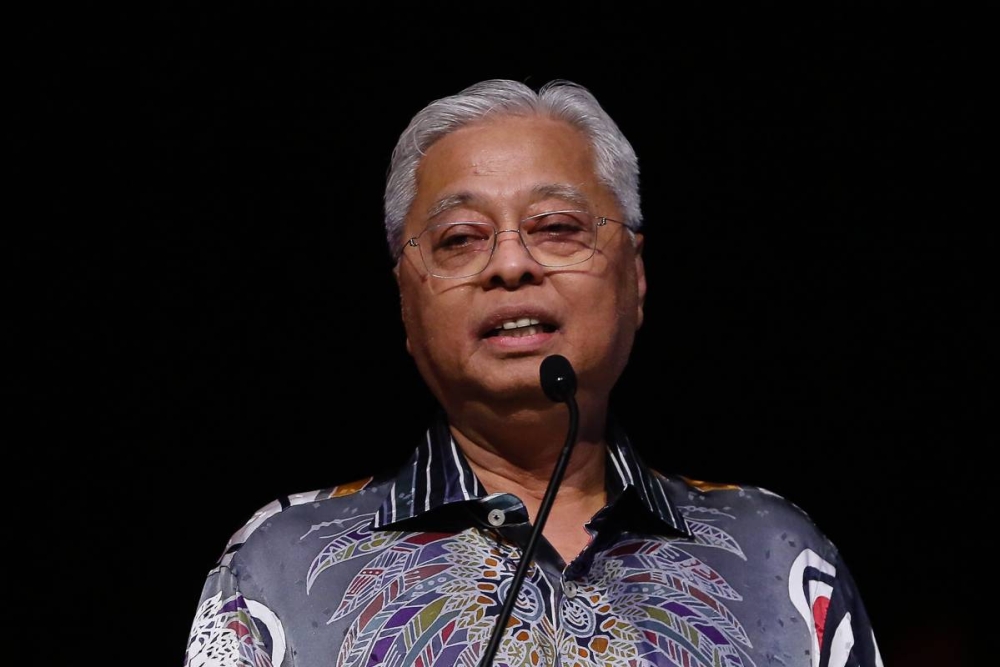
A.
pixel 558 378
pixel 559 384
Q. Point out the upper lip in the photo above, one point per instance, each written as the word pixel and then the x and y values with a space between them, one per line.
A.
pixel 496 319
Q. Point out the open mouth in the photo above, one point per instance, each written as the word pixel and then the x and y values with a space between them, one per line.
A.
pixel 524 326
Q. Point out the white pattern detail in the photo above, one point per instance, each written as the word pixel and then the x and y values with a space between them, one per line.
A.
pixel 809 558
pixel 456 457
pixel 843 642
pixel 212 644
pixel 427 473
pixel 618 467
pixel 274 627
pixel 215 643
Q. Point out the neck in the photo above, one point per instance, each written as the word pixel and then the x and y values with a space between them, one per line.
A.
pixel 518 454
pixel 527 438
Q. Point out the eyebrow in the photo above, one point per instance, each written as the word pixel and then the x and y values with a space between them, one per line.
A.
pixel 570 193
pixel 552 190
pixel 450 202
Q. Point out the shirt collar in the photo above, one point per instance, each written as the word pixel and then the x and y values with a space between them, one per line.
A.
pixel 438 477
pixel 628 475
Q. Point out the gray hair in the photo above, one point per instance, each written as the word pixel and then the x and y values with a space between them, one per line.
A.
pixel 617 165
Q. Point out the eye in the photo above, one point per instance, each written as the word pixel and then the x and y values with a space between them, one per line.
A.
pixel 454 236
pixel 558 224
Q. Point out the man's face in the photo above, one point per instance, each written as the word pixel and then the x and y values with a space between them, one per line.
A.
pixel 502 171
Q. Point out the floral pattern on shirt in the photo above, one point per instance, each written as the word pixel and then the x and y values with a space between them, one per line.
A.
pixel 643 602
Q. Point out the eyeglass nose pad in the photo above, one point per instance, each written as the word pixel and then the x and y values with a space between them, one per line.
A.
pixel 520 237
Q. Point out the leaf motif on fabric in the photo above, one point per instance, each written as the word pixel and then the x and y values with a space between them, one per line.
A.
pixel 356 541
pixel 673 598
pixel 224 635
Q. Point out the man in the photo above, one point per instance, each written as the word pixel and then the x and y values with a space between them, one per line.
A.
pixel 514 220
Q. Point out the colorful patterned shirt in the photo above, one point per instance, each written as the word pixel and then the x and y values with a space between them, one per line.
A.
pixel 412 570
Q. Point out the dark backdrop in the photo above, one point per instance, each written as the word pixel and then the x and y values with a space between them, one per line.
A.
pixel 212 320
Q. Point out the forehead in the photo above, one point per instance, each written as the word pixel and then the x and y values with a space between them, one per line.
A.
pixel 508 162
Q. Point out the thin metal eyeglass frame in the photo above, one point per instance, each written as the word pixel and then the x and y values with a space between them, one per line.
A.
pixel 602 221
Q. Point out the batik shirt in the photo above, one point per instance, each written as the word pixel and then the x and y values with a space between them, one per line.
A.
pixel 412 570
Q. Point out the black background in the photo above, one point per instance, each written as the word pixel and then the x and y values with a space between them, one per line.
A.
pixel 211 319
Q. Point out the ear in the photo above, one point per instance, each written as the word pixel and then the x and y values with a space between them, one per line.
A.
pixel 640 279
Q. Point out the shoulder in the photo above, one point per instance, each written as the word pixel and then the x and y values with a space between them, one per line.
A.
pixel 301 511
pixel 697 492
pixel 755 513
pixel 759 497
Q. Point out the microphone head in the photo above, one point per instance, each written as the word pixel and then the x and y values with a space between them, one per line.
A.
pixel 558 378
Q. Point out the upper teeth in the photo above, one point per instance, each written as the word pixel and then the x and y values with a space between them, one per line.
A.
pixel 523 322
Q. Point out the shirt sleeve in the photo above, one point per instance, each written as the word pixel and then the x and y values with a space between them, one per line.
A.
pixel 227 630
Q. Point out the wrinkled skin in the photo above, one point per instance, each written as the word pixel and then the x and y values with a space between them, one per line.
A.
pixel 505 169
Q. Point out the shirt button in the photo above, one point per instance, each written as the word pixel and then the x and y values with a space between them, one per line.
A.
pixel 570 588
pixel 496 517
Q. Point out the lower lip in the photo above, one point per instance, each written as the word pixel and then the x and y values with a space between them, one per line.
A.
pixel 518 343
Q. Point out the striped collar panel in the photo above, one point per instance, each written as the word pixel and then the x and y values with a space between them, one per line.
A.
pixel 437 480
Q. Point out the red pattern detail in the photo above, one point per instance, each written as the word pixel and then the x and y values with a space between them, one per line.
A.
pixel 820 606
pixel 239 628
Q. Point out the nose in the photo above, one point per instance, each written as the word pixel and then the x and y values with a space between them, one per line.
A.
pixel 511 265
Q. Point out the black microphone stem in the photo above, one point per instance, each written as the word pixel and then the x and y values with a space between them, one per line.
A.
pixel 543 513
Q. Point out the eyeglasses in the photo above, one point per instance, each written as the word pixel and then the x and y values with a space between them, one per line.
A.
pixel 553 239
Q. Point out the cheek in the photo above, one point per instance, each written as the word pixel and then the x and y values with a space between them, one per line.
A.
pixel 628 303
pixel 622 295
pixel 409 310
pixel 627 313
pixel 427 322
